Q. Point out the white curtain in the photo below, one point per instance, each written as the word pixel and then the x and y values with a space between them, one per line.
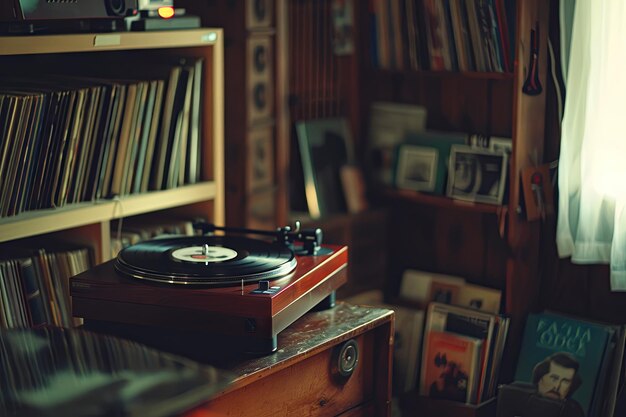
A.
pixel 591 224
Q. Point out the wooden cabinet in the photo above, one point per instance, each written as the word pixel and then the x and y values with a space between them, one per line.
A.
pixel 303 377
pixel 89 220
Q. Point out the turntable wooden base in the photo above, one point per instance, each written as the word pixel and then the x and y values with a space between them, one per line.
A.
pixel 247 315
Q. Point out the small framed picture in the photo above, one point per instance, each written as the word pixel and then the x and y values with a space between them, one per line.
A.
pixel 416 168
pixel 477 175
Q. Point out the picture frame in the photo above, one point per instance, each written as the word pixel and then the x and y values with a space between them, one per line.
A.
pixel 325 146
pixel 477 175
pixel 416 168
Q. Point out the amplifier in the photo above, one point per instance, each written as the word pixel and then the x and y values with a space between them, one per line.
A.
pixel 61 16
pixel 27 10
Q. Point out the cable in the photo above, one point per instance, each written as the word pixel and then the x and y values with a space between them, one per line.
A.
pixel 557 86
pixel 117 202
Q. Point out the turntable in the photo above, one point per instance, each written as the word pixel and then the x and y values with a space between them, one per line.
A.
pixel 243 289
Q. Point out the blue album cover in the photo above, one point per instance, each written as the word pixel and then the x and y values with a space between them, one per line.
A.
pixel 562 357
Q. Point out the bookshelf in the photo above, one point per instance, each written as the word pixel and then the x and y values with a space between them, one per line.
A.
pixel 492 245
pixel 88 221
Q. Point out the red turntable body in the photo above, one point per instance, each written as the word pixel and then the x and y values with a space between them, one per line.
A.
pixel 206 284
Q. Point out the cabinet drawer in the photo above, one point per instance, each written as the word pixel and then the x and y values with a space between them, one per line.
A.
pixel 309 387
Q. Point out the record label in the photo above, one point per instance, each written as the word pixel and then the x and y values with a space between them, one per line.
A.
pixel 204 254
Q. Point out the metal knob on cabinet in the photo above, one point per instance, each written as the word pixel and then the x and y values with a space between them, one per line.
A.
pixel 345 360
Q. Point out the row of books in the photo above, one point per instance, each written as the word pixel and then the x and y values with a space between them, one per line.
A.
pixel 573 360
pixel 34 281
pixel 462 353
pixel 449 297
pixel 450 35
pixel 34 285
pixel 74 138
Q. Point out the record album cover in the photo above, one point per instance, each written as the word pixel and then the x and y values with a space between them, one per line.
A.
pixel 563 357
pixel 450 367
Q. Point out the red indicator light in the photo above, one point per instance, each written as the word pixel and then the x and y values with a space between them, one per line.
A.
pixel 166 12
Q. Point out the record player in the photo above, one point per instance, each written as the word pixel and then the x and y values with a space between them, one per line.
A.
pixel 243 289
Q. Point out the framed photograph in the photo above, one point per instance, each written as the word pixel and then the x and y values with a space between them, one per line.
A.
pixel 416 168
pixel 325 146
pixel 477 175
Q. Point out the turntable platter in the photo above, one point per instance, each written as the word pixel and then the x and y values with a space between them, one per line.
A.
pixel 206 260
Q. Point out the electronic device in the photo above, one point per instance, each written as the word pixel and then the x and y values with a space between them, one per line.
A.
pixel 44 16
pixel 160 15
pixel 243 289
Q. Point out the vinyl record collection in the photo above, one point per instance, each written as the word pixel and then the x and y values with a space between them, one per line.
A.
pixel 77 138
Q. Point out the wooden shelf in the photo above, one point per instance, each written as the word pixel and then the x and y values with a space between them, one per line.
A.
pixel 75 215
pixel 96 42
pixel 495 76
pixel 443 202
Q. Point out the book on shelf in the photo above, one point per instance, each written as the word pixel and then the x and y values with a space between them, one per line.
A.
pixel 423 287
pixel 146 155
pixel 572 359
pixel 167 131
pixel 443 35
pixel 34 284
pixel 134 100
pixel 479 297
pixel 450 366
pixel 179 173
pixel 490 329
pixel 152 111
pixel 95 134
pixel 195 126
pixel 111 141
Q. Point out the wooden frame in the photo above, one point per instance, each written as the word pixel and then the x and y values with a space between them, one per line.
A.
pixel 416 168
pixel 476 175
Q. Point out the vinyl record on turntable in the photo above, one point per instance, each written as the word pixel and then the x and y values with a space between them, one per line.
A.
pixel 206 260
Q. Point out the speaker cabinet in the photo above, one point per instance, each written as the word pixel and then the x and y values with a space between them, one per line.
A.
pixel 253 148
pixel 260 80
pixel 260 166
pixel 259 14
